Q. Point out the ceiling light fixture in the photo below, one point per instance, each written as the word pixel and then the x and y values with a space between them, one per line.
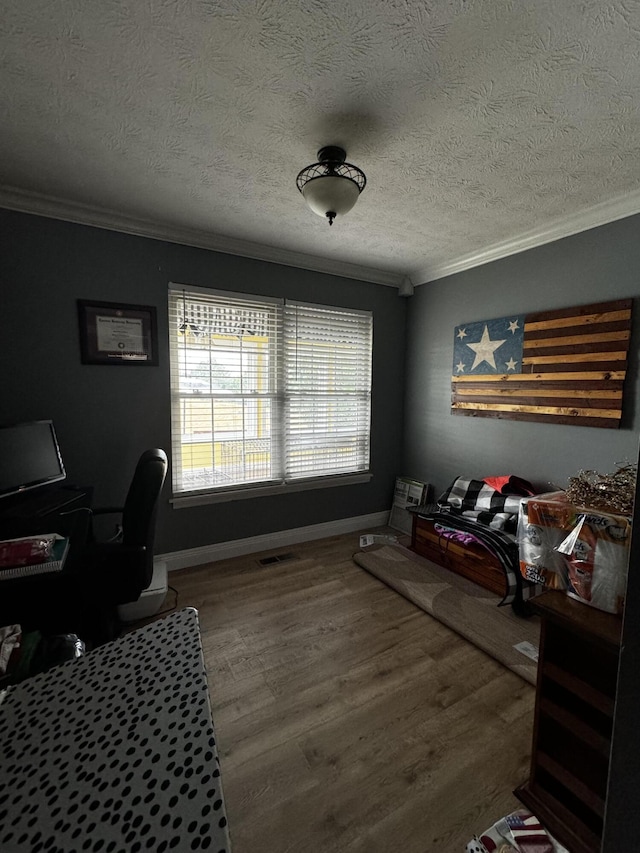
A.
pixel 331 187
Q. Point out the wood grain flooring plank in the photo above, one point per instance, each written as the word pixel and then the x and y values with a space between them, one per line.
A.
pixel 346 718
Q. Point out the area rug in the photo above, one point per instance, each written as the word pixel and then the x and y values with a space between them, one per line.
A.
pixel 463 606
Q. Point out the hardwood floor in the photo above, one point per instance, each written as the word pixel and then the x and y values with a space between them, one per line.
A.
pixel 346 718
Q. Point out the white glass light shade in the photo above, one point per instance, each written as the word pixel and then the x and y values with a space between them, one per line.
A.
pixel 330 194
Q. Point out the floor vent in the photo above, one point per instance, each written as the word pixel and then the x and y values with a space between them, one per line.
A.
pixel 277 558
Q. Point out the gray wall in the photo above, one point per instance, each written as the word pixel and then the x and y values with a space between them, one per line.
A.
pixel 624 775
pixel 595 266
pixel 106 416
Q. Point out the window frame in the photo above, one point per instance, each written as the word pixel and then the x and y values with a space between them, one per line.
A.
pixel 238 491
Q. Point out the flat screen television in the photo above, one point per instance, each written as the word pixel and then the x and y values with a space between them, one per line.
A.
pixel 29 457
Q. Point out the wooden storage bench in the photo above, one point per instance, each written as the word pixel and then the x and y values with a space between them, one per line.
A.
pixel 472 561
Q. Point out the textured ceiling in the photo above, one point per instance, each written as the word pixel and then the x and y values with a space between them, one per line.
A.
pixel 475 122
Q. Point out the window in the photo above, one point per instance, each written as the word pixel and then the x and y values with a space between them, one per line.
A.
pixel 266 392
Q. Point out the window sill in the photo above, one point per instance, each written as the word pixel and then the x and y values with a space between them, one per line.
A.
pixel 203 498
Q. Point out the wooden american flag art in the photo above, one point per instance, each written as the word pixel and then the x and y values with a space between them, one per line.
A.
pixel 561 367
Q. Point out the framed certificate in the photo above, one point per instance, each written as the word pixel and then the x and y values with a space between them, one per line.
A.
pixel 112 333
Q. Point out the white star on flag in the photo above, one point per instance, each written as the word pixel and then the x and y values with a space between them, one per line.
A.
pixel 462 334
pixel 485 349
pixel 513 326
pixel 511 364
pixel 460 367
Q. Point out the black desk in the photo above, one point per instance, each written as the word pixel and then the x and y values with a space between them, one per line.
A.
pixel 46 602
pixel 29 513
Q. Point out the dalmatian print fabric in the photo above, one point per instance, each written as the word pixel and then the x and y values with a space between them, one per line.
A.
pixel 115 751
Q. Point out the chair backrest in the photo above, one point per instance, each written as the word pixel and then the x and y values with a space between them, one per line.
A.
pixel 141 505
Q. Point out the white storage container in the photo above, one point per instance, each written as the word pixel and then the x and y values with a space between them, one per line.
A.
pixel 151 598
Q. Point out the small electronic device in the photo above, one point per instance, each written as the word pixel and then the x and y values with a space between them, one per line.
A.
pixel 29 457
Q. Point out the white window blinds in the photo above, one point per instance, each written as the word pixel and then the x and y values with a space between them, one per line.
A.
pixel 224 390
pixel 327 384
pixel 265 393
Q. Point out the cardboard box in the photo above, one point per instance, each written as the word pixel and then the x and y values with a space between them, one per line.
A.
pixel 407 493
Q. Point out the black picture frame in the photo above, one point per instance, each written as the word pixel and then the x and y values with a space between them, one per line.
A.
pixel 117 333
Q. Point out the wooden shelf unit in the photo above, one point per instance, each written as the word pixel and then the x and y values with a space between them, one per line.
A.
pixel 577 672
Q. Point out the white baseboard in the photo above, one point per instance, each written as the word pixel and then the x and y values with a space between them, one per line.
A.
pixel 254 544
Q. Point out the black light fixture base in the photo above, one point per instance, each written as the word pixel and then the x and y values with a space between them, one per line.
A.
pixel 332 154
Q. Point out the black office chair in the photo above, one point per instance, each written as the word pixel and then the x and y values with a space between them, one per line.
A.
pixel 116 571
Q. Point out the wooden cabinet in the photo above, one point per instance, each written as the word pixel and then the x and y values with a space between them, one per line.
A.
pixel 472 561
pixel 579 650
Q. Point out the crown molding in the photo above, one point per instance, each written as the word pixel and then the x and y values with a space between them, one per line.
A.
pixel 600 214
pixel 25 201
